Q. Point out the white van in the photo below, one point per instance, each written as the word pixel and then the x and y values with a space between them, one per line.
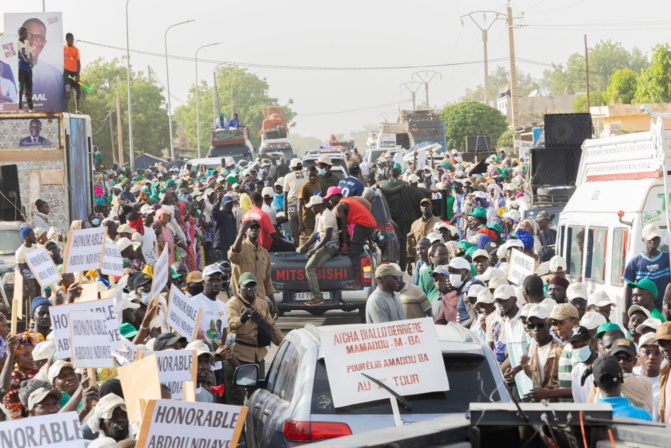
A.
pixel 619 190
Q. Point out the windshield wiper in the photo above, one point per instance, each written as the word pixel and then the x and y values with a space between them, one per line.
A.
pixel 406 405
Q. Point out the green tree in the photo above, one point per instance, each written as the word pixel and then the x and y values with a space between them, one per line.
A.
pixel 471 118
pixel 622 87
pixel 654 84
pixel 580 103
pixel 498 81
pixel 507 139
pixel 239 91
pixel 150 115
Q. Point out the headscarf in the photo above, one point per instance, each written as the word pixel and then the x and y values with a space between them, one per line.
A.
pixel 28 338
pixel 526 238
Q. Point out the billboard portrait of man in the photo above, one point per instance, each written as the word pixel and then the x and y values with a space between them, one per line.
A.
pixel 35 139
pixel 45 36
pixel 9 96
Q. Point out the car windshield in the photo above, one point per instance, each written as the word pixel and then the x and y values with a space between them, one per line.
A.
pixel 469 376
pixel 237 152
pixel 286 150
pixel 375 154
pixel 379 211
pixel 10 240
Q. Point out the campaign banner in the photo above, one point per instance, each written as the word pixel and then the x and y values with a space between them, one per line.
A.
pixel 84 250
pixel 181 424
pixel 160 271
pixel 49 431
pixel 89 340
pixel 29 133
pixel 175 367
pixel 43 267
pixel 60 323
pixel 520 266
pixel 184 315
pixel 404 355
pixel 45 36
pixel 134 391
pixel 112 260
pixel 9 74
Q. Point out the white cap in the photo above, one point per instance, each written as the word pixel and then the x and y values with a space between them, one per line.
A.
pixel 600 298
pixel 440 225
pixel 484 296
pixel 648 323
pixel 433 237
pixel 543 269
pixel 295 162
pixel 504 266
pixel 540 311
pixel 127 303
pixel 514 243
pixel 524 312
pixel 647 339
pixel 459 263
pixel 268 191
pixel 504 292
pixel 480 253
pixel 632 309
pixel 44 350
pixel 40 394
pixel 413 178
pixel 480 194
pixel 651 231
pixel 210 270
pixel 279 182
pixel 592 320
pixel 315 200
pixel 199 346
pixel 209 191
pixel 474 290
pixel 549 303
pixel 324 159
pixel 137 237
pixel 103 442
pixel 557 263
pixel 496 282
pixel 512 214
pixel 491 273
pixel 123 243
pixel 501 251
pixel 126 228
pixel 575 291
pixel 56 368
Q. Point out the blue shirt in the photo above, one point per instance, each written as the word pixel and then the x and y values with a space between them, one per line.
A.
pixel 351 186
pixel 622 408
pixel 463 307
pixel 233 123
pixel 655 269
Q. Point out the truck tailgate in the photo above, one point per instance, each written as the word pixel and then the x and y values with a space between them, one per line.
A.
pixel 288 272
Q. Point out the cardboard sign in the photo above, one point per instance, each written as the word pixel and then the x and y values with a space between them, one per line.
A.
pixel 173 423
pixel 184 315
pixel 49 431
pixel 60 323
pixel 160 271
pixel 520 266
pixel 84 250
pixel 134 391
pixel 43 267
pixel 175 367
pixel 404 355
pixel 127 354
pixel 89 340
pixel 112 260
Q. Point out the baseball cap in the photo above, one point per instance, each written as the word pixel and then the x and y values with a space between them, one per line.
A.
pixel 324 159
pixel 496 282
pixel 440 270
pixel 413 178
pixel 440 225
pixel 166 339
pixel 544 216
pixel 549 303
pixel 459 263
pixel 591 320
pixel 484 296
pixel 332 191
pixel 576 291
pixel 295 162
pixel 557 263
pixel 647 339
pixel 579 333
pixel 123 243
pixel 126 303
pixel 648 323
pixel 387 269
pixel 632 309
pixel 647 284
pixel 107 404
pixel 141 280
pixel 490 274
pixel 563 311
pixel 246 278
pixel 56 368
pixel 211 270
pixel 480 253
pixel 147 209
pixel 194 277
pixel 504 292
pixel 227 199
pixel 44 350
pixel 40 394
pixel 540 311
pixel 513 243
pixel 200 347
pixel 474 290
pixel 599 298
pixel 125 228
pixel 623 346
pixel 433 237
pixel 607 371
pixel 268 191
pixel 127 330
pixel 651 231
pixel 663 333
pixel 315 200
pixel 543 269
pixel 425 201
pixel 604 328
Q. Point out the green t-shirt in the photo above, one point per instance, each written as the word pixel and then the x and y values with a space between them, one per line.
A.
pixel 657 315
pixel 427 285
pixel 64 400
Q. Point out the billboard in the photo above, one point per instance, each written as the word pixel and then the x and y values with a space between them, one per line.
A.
pixel 29 133
pixel 45 35
pixel 9 75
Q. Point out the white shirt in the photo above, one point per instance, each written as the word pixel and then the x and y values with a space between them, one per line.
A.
pixel 9 89
pixel 21 258
pixel 213 310
pixel 365 168
pixel 655 392
pixel 327 220
pixel 580 393
pixel 516 339
pixel 149 246
pixel 543 353
pixel 293 182
pixel 271 213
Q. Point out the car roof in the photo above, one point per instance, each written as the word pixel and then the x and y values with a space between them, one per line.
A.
pixel 4 225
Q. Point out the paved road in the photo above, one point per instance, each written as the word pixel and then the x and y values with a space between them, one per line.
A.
pixel 299 319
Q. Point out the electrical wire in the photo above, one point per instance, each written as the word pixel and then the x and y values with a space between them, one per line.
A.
pixel 104 120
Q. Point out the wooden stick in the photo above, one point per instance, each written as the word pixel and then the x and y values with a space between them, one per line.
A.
pixel 93 378
pixel 16 306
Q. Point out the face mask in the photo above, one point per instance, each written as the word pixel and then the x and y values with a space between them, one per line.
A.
pixel 456 280
pixel 95 222
pixel 322 171
pixel 144 298
pixel 582 354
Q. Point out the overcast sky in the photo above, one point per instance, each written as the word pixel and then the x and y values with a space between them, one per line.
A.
pixel 346 33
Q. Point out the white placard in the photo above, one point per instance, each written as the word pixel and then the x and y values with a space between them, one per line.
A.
pixel 84 250
pixel 89 340
pixel 191 424
pixel 175 367
pixel 160 271
pixel 520 266
pixel 404 355
pixel 184 315
pixel 60 323
pixel 112 260
pixel 127 354
pixel 43 267
pixel 49 431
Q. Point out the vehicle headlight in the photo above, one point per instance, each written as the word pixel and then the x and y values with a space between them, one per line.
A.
pixel 381 237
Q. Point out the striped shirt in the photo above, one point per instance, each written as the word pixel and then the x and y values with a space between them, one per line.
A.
pixel 656 269
pixel 566 365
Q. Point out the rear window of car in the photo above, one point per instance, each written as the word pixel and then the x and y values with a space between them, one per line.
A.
pixel 378 210
pixel 469 376
pixel 10 240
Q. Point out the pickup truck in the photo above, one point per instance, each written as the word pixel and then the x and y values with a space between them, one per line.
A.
pixel 288 277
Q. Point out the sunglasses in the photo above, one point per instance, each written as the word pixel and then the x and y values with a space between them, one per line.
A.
pixel 537 326
pixel 580 302
pixel 624 358
pixel 647 352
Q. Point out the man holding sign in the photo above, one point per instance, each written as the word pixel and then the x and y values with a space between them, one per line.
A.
pixel 31 288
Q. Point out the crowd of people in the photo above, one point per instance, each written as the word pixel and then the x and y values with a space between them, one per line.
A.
pixel 457 232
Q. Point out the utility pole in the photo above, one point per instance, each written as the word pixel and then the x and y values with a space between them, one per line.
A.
pixel 587 72
pixel 513 69
pixel 413 91
pixel 487 23
pixel 120 130
pixel 112 137
pixel 426 77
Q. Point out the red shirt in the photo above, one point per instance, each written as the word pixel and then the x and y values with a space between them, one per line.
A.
pixel 358 214
pixel 71 57
pixel 267 228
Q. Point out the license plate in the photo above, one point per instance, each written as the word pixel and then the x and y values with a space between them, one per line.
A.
pixel 305 296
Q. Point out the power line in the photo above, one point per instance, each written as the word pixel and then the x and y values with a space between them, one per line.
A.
pixel 314 114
